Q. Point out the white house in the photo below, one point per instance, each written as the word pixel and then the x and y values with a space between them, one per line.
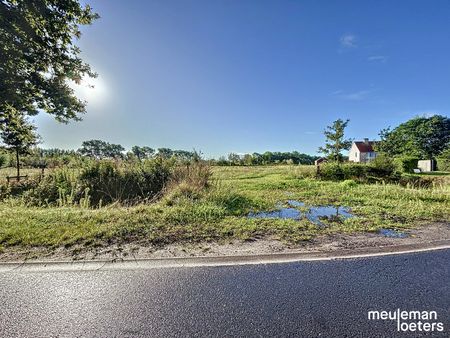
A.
pixel 362 151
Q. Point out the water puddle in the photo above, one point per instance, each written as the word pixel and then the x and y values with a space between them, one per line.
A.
pixel 314 214
pixel 294 203
pixel 283 213
pixel 392 233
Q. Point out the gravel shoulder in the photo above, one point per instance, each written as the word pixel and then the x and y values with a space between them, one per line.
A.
pixel 333 244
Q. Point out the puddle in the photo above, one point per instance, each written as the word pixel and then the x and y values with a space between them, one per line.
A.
pixel 294 203
pixel 392 233
pixel 314 214
pixel 283 213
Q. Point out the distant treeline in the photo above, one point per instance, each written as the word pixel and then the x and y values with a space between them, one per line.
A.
pixel 267 157
pixel 98 149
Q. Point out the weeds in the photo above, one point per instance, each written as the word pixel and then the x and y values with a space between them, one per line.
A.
pixel 200 203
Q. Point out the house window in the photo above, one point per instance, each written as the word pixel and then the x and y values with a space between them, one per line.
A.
pixel 356 154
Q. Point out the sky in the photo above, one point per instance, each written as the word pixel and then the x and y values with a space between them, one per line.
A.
pixel 246 76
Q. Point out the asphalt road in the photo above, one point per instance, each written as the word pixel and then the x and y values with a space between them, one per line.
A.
pixel 304 299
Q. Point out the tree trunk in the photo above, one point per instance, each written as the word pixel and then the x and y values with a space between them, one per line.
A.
pixel 17 164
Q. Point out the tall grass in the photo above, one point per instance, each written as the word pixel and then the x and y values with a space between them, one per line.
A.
pixel 99 183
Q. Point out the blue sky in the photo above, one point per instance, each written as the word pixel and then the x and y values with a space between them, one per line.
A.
pixel 249 76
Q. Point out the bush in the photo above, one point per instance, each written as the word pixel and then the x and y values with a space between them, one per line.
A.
pixel 109 182
pixel 443 164
pixel 104 182
pixel 382 168
pixel 3 160
pixel 354 171
pixel 348 183
pixel 346 171
pixel 60 187
pixel 406 164
pixel 331 171
pixel 443 160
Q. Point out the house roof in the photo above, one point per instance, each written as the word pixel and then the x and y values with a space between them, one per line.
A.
pixel 365 147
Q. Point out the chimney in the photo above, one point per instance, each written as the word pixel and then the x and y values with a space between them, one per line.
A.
pixel 366 141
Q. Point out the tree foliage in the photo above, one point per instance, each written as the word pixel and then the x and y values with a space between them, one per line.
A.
pixel 100 149
pixel 38 57
pixel 424 137
pixel 335 142
pixel 142 152
pixel 17 133
pixel 268 157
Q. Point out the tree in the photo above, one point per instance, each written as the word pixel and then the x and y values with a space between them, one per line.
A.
pixel 113 150
pixel 247 159
pixel 38 57
pixel 165 153
pixel 424 137
pixel 184 155
pixel 142 152
pixel 234 159
pixel 100 149
pixel 18 134
pixel 335 142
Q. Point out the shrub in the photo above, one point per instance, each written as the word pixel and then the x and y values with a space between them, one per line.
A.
pixel 348 184
pixel 443 164
pixel 15 188
pixel 443 161
pixel 331 171
pixel 109 182
pixel 104 182
pixel 3 160
pixel 60 187
pixel 406 164
pixel 354 171
pixel 382 168
pixel 5 191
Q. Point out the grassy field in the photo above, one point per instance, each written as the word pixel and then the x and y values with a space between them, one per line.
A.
pixel 4 172
pixel 219 213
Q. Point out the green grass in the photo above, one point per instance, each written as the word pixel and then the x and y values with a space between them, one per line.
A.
pixel 10 171
pixel 219 214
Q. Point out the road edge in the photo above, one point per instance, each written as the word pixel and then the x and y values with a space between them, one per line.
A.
pixel 203 261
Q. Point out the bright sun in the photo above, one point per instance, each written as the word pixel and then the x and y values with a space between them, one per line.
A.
pixel 94 90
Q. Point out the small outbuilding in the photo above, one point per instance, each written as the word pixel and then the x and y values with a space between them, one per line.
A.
pixel 426 166
pixel 319 161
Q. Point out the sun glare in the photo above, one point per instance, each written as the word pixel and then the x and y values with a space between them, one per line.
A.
pixel 92 90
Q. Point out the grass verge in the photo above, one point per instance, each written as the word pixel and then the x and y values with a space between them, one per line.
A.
pixel 219 213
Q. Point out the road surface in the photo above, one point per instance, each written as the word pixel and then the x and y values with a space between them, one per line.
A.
pixel 305 299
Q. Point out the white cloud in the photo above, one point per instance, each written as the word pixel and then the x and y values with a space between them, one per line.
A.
pixel 352 96
pixel 348 41
pixel 377 58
